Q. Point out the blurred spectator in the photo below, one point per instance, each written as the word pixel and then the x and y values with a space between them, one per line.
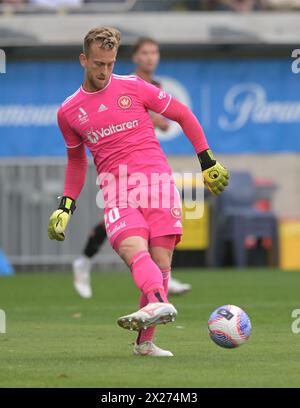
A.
pixel 283 4
pixel 104 1
pixel 240 5
pixel 13 2
pixel 164 5
pixel 153 5
pixel 56 3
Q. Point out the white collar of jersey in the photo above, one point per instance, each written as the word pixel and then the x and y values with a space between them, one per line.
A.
pixel 96 92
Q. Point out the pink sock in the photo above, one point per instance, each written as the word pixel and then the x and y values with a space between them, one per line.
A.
pixel 148 277
pixel 166 276
pixel 148 334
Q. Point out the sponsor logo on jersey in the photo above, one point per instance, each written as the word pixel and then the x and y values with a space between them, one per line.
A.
pixel 83 117
pixel 94 135
pixel 125 102
pixel 102 108
pixel 162 95
pixel 176 212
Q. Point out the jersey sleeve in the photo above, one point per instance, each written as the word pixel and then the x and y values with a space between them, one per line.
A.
pixel 152 97
pixel 72 139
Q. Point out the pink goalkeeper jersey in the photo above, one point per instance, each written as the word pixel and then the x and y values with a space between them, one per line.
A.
pixel 114 124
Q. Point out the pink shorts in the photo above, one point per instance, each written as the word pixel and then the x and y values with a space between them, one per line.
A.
pixel 154 212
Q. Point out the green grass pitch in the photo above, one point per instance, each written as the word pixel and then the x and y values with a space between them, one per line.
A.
pixel 56 339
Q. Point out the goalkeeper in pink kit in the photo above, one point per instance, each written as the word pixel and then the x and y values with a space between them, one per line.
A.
pixel 109 115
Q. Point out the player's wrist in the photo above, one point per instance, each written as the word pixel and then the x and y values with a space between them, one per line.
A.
pixel 206 159
pixel 67 204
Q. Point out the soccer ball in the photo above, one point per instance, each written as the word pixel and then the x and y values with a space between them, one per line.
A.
pixel 229 326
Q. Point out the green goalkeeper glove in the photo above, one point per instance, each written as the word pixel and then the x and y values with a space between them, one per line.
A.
pixel 60 219
pixel 214 174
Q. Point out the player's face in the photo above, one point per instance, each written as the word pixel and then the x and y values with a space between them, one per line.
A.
pixel 147 57
pixel 98 65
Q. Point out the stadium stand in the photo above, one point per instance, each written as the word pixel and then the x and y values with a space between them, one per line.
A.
pixel 150 5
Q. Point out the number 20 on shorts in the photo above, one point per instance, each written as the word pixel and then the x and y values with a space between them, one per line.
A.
pixel 112 216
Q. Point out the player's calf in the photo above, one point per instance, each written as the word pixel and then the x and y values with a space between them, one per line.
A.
pixel 148 277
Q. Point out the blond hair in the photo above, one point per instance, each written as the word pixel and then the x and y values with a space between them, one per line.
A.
pixel 107 38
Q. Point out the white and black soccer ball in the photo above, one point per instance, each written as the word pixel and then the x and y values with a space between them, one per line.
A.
pixel 229 326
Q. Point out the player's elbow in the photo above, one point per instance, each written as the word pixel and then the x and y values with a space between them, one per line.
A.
pixel 77 154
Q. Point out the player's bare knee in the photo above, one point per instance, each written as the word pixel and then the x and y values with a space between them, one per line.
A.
pixel 130 247
pixel 163 259
pixel 126 251
pixel 162 263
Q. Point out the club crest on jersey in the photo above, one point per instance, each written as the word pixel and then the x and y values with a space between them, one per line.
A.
pixel 125 102
pixel 176 212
